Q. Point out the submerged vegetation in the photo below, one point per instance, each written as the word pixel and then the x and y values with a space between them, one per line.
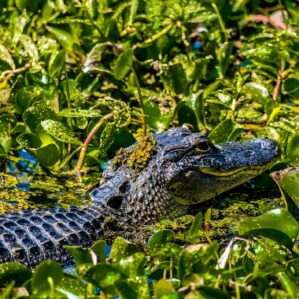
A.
pixel 80 79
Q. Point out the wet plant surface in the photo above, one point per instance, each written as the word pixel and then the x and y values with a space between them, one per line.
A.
pixel 79 80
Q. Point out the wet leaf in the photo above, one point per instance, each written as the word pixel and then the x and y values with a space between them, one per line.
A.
pixel 160 238
pixel 69 112
pixel 36 113
pixel 7 123
pixel 222 132
pixel 13 272
pixel 123 64
pixel 100 249
pixel 25 96
pixel 105 277
pixel 58 64
pixel 94 57
pixel 59 131
pixel 27 4
pixel 196 228
pixel 121 249
pixel 133 265
pixel 134 287
pixel 256 92
pixel 278 225
pixel 153 113
pixel 80 255
pixel 288 180
pixel 48 155
pixel 175 79
pixel 107 137
pixel 5 56
pixel 291 87
pixel 46 270
pixel 29 141
pixel 293 148
pixel 64 37
pixel 164 289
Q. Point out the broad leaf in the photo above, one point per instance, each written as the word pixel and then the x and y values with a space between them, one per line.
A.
pixel 123 64
pixel 59 131
pixel 278 225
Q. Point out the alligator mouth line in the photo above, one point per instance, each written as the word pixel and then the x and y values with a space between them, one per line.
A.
pixel 243 170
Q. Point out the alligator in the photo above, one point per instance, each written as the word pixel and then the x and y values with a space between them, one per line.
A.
pixel 179 169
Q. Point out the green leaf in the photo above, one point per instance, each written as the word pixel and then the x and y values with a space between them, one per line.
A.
pixel 58 64
pixel 293 149
pixel 121 249
pixel 196 103
pixel 36 113
pixel 6 56
pixel 7 122
pixel 222 132
pixel 48 155
pixel 225 99
pixel 200 70
pixel 60 132
pixel 175 79
pixel 288 180
pixel 29 141
pixel 80 255
pixel 278 225
pixel 123 64
pixel 256 92
pixel 13 272
pixel 44 271
pixel 105 277
pixel 196 228
pixel 291 87
pixel 70 112
pixel 28 4
pixel 25 96
pixel 132 265
pixel 107 137
pixel 225 56
pixel 100 249
pixel 160 238
pixel 164 289
pixel 153 113
pixel 134 288
pixel 64 37
pixel 94 57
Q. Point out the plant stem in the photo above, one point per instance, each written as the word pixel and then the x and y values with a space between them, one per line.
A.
pixel 98 29
pixel 89 138
pixel 156 36
pixel 8 74
pixel 222 26
pixel 140 102
pixel 278 81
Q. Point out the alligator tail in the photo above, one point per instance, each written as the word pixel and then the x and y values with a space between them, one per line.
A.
pixel 31 236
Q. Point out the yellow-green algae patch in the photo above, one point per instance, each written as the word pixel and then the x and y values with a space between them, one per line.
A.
pixel 44 192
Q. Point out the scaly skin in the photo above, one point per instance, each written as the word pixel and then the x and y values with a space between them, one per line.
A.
pixel 183 169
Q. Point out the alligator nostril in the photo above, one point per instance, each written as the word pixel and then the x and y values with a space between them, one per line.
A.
pixel 125 187
pixel 115 202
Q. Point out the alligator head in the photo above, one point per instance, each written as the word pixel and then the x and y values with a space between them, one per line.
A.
pixel 184 169
pixel 196 170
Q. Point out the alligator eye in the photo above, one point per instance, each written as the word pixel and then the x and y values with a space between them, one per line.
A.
pixel 203 147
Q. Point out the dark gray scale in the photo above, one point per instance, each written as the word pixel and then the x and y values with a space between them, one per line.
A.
pixel 6 253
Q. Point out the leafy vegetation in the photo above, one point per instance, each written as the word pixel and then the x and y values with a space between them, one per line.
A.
pixel 79 79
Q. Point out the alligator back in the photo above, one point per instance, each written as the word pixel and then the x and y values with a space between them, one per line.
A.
pixel 32 235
